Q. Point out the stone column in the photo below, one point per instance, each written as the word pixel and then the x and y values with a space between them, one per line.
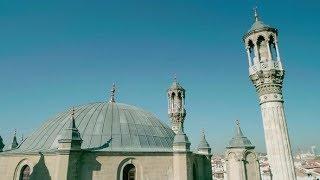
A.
pixel 181 157
pixel 256 58
pixel 249 57
pixel 269 87
pixel 277 48
pixel 277 140
pixel 269 52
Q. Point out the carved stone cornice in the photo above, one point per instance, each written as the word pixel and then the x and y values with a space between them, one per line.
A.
pixel 268 81
pixel 178 117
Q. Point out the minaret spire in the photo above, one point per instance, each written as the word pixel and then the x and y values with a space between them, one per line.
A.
pixel 70 138
pixel 256 15
pixel 204 147
pixel 238 129
pixel 113 91
pixel 14 144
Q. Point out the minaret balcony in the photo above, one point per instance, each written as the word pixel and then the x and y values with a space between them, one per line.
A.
pixel 265 66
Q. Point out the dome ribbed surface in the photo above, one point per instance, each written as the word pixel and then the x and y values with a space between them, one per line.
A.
pixel 105 126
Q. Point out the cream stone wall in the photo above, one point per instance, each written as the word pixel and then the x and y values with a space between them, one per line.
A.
pixel 103 166
pixel 40 166
pixel 149 166
pixel 242 164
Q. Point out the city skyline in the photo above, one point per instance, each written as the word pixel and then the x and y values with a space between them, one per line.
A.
pixel 58 55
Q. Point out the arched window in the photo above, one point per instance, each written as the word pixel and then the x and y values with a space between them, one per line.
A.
pixel 179 101
pixel 251 50
pixel 25 173
pixel 251 166
pixel 129 172
pixel 262 49
pixel 272 48
pixel 173 99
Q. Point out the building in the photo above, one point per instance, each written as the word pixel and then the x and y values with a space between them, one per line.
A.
pixel 267 73
pixel 241 159
pixel 109 140
pixel 218 167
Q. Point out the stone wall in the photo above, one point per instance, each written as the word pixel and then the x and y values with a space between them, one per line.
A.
pixel 101 165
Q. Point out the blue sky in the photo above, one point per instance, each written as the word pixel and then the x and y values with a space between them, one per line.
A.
pixel 56 54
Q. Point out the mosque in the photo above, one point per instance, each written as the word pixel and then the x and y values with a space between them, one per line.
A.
pixel 115 141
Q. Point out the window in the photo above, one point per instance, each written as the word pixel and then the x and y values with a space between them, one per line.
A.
pixel 262 49
pixel 129 172
pixel 251 49
pixel 25 173
pixel 272 48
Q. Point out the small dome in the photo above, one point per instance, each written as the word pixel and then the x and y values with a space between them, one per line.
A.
pixel 203 142
pixel 239 140
pixel 105 126
pixel 176 86
pixel 258 25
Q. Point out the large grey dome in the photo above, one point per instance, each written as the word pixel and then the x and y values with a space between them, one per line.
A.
pixel 105 126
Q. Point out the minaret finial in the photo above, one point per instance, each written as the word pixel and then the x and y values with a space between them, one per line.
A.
pixel 175 77
pixel 256 15
pixel 113 91
pixel 15 132
pixel 237 122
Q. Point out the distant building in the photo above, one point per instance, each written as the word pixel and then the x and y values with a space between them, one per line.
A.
pixel 218 167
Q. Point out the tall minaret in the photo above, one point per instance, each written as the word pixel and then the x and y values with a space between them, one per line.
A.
pixel 176 111
pixel 267 73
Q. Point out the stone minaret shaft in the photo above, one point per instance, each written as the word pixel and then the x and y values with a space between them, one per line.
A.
pixel 267 74
pixel 176 110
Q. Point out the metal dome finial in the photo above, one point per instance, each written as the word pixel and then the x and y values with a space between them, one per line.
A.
pixel 256 15
pixel 72 113
pixel 73 123
pixel 113 91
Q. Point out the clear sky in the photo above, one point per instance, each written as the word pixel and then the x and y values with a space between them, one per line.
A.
pixel 56 54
